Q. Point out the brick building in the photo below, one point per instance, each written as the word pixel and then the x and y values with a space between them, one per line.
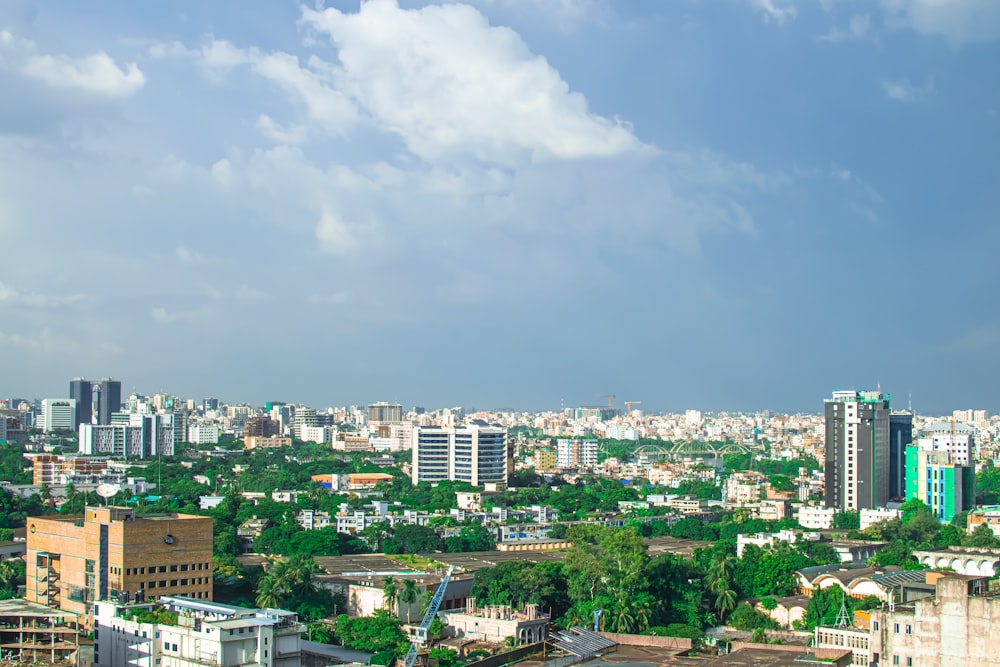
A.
pixel 73 561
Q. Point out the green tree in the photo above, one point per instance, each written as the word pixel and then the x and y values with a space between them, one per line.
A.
pixel 389 593
pixel 409 596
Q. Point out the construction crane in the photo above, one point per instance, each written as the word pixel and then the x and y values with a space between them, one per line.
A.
pixel 629 404
pixel 425 624
pixel 611 400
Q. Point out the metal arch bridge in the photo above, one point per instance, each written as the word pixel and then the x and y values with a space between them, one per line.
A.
pixel 696 447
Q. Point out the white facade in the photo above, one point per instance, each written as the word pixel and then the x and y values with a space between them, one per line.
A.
pixel 144 436
pixel 958 440
pixel 475 453
pixel 575 453
pixel 870 517
pixel 320 434
pixel 203 434
pixel 207 633
pixel 58 414
pixel 816 518
pixel 313 519
pixel 769 539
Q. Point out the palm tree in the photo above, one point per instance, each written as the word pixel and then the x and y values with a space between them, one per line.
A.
pixel 409 596
pixel 725 601
pixel 389 593
pixel 268 594
pixel 621 618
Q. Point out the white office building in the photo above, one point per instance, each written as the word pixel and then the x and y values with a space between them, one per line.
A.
pixel 58 414
pixel 476 453
pixel 203 434
pixel 142 437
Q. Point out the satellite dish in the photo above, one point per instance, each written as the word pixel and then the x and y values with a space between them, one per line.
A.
pixel 106 490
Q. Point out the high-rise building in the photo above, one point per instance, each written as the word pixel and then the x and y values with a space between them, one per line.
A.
pixel 476 453
pixel 857 450
pixel 109 400
pixel 58 414
pixel 957 439
pixel 934 478
pixel 140 436
pixel 574 453
pixel 209 404
pixel 74 561
pixel 900 437
pixel 385 413
pixel 81 391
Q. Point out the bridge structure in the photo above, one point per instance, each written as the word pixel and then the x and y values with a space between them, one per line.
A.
pixel 697 448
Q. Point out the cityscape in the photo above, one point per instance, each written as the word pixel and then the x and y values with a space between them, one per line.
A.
pixel 483 333
pixel 327 533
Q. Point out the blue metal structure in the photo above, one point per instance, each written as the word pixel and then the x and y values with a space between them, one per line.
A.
pixel 425 624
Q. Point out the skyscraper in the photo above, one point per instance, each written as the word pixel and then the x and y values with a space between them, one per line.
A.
pixel 900 436
pixel 857 450
pixel 476 453
pixel 81 391
pixel 109 401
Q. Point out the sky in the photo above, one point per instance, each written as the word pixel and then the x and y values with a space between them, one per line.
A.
pixel 721 205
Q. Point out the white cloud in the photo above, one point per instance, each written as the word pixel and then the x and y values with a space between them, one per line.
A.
pixel 779 11
pixel 958 21
pixel 247 293
pixel 903 90
pixel 453 86
pixel 188 256
pixel 164 316
pixel 334 298
pixel 96 73
pixel 310 85
pixel 295 134
pixel 12 296
pixel 340 237
pixel 857 28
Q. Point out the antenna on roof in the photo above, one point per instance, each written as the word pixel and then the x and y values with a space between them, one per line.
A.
pixel 843 620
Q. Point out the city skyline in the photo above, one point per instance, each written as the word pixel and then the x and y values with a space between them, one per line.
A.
pixel 723 206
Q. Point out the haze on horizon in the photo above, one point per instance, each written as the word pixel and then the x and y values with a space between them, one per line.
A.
pixel 725 206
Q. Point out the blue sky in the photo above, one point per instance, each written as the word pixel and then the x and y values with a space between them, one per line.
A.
pixel 726 205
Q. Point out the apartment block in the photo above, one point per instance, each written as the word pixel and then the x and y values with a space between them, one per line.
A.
pixel 204 634
pixel 934 478
pixel 143 436
pixel 573 453
pixel 74 561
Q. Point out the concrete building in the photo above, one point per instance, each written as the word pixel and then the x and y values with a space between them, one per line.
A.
pixel 261 442
pixel 318 434
pixel 74 561
pixel 385 413
pixel 857 450
pixel 763 540
pixel 944 485
pixel 54 469
pixel 971 561
pixel 58 414
pixel 900 437
pixel 956 439
pixel 35 634
pixel 144 436
pixel 496 624
pixel 816 518
pixel 988 516
pixel 205 633
pixel 476 453
pixel 203 434
pixel 109 399
pixel 573 453
pixel 871 516
pixel 958 625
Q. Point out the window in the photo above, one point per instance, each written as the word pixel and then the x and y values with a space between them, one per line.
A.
pixel 173 568
pixel 895 629
pixel 895 659
pixel 173 582
pixel 909 629
pixel 876 625
pixel 909 662
pixel 163 568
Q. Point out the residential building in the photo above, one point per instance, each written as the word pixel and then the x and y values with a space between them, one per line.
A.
pixel 385 413
pixel 871 516
pixel 935 479
pixel 496 624
pixel 313 519
pixel 81 391
pixel 352 442
pixel 769 539
pixel 988 516
pixel 958 625
pixel 260 426
pixel 53 469
pixel 203 434
pixel 816 518
pixel 900 437
pixel 956 439
pixel 747 487
pixel 58 414
pixel 854 639
pixel 74 561
pixel 319 434
pixel 857 450
pixel 476 453
pixel 261 442
pixel 143 436
pixel 573 453
pixel 303 417
pixel 204 633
